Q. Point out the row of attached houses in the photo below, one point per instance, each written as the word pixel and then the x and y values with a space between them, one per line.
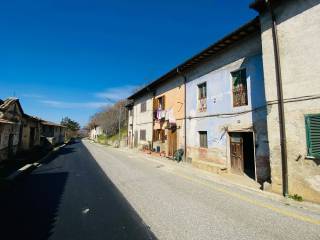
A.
pixel 248 104
pixel 21 132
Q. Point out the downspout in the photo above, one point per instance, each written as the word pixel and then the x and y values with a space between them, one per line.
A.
pixel 284 160
pixel 185 113
pixel 152 132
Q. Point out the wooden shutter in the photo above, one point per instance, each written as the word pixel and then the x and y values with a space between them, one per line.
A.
pixel 313 135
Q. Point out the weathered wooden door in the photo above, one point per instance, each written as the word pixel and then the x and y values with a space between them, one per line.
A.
pixel 136 139
pixel 172 142
pixel 236 153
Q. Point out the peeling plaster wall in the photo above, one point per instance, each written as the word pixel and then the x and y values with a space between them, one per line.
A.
pixel 299 35
pixel 5 131
pixel 217 74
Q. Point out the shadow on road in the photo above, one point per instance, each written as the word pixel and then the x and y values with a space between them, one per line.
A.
pixel 28 210
pixel 49 202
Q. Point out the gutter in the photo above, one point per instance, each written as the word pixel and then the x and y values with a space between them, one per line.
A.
pixel 283 146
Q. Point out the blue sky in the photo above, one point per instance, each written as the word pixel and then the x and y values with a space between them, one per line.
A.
pixel 65 57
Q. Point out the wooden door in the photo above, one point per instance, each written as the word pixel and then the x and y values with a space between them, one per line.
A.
pixel 236 153
pixel 172 142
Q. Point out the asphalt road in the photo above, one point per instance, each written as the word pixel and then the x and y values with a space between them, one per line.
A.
pixel 181 204
pixel 88 191
pixel 68 197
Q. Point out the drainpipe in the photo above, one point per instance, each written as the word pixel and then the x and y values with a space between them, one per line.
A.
pixel 282 126
pixel 185 113
pixel 152 132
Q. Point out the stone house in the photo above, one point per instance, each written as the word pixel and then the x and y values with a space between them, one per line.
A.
pixel 226 114
pixel 52 132
pixel 95 132
pixel 11 114
pixel 31 128
pixel 290 34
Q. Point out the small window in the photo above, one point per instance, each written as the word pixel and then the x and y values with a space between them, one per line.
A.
pixel 313 135
pixel 143 107
pixel 203 139
pixel 131 112
pixel 159 135
pixel 239 88
pixel 160 103
pixel 202 97
pixel 143 135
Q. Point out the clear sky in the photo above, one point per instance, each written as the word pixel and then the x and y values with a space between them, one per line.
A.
pixel 64 57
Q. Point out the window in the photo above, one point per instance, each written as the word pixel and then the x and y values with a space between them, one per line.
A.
pixel 159 135
pixel 239 88
pixel 202 97
pixel 160 103
pixel 143 135
pixel 203 139
pixel 313 135
pixel 143 107
pixel 131 112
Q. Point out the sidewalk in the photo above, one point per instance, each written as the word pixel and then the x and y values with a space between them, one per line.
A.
pixel 243 183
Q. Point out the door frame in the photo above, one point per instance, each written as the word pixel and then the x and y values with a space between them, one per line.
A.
pixel 228 149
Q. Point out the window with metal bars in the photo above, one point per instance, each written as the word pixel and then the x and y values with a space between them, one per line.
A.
pixel 143 135
pixel 313 134
pixel 203 139
pixel 239 88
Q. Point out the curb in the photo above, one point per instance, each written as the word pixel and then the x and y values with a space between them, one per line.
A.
pixel 31 166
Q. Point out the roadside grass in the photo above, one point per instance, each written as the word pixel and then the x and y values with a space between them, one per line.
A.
pixel 103 139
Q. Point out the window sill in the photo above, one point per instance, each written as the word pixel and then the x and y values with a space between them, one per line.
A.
pixel 312 158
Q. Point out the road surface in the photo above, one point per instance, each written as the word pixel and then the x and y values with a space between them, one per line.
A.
pixel 88 191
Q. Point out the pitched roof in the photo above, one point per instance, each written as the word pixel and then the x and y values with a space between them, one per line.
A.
pixel 239 34
pixel 6 121
pixel 32 117
pixel 8 102
pixel 262 5
pixel 48 123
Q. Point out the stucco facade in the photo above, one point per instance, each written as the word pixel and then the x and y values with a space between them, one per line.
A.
pixel 168 135
pixel 221 118
pixel 140 123
pixel 95 132
pixel 30 133
pixel 298 36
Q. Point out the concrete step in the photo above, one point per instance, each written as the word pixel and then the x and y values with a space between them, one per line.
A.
pixel 210 167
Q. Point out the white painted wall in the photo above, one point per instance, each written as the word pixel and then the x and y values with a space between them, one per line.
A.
pixel 299 37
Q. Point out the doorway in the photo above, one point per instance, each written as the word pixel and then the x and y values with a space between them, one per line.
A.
pixel 242 153
pixel 32 135
pixel 172 142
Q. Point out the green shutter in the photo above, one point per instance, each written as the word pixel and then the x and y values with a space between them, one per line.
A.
pixel 313 135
